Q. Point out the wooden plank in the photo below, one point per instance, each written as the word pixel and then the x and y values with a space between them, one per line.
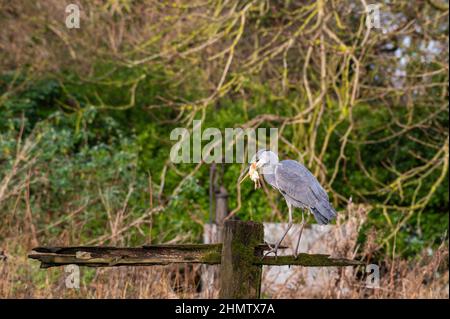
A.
pixel 120 256
pixel 240 278
pixel 307 260
pixel 209 254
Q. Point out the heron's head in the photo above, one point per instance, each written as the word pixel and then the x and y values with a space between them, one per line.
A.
pixel 262 162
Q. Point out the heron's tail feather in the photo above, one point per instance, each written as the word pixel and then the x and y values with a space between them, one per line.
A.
pixel 323 213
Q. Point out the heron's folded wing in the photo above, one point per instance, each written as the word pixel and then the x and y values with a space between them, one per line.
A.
pixel 299 183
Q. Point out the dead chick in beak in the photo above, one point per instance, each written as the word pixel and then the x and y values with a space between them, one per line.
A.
pixel 254 175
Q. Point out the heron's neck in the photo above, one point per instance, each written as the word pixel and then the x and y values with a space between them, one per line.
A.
pixel 268 172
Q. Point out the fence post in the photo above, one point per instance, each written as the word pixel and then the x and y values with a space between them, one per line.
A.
pixel 239 277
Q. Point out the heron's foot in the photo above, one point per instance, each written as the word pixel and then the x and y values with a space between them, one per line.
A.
pixel 273 250
pixel 298 253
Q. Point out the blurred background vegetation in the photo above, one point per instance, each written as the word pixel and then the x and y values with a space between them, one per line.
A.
pixel 86 115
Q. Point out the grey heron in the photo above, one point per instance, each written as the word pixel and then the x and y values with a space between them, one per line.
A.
pixel 298 186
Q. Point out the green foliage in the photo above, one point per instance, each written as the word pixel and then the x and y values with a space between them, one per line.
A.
pixel 92 154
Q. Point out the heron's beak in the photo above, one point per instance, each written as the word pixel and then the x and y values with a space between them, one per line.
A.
pixel 247 171
pixel 246 175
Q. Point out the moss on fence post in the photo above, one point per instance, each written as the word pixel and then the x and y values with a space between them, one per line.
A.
pixel 240 278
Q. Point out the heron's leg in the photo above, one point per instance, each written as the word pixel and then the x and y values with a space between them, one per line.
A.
pixel 302 225
pixel 275 249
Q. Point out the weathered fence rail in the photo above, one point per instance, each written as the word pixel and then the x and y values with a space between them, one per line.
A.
pixel 209 254
pixel 240 258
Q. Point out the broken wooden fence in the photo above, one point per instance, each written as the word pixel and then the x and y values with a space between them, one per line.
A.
pixel 240 258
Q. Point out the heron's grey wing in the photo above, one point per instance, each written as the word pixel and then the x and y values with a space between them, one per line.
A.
pixel 301 188
pixel 299 182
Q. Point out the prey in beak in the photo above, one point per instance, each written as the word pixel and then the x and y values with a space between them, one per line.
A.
pixel 254 175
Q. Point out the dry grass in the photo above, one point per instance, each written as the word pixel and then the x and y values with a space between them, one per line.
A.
pixel 426 277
